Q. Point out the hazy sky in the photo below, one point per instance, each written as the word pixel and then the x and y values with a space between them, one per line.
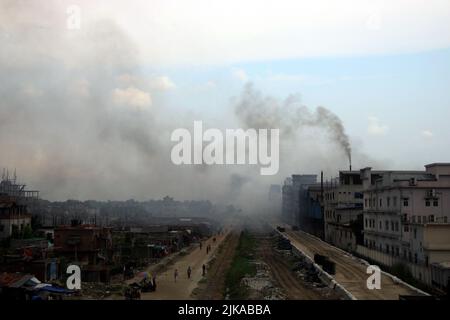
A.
pixel 87 113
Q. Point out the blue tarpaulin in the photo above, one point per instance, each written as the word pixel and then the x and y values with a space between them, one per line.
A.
pixel 54 289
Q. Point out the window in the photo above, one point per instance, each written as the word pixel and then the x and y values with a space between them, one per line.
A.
pixel 388 202
pixel 419 219
pixel 431 218
pixel 396 226
pixel 392 226
pixel 405 202
pixel 435 203
pixel 386 225
pixel 427 203
pixel 445 219
pixel 365 221
pixel 381 225
pixel 365 203
pixel 381 203
pixel 394 200
pixel 415 233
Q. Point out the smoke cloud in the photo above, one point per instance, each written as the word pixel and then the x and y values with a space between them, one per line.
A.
pixel 257 111
pixel 79 119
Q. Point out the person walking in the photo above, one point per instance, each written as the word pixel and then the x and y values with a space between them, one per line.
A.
pixel 203 270
pixel 154 282
pixel 189 270
pixel 175 274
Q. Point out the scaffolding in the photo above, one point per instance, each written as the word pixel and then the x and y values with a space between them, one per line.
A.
pixel 10 187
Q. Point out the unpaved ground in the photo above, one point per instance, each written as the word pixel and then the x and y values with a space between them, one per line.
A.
pixel 281 271
pixel 213 287
pixel 280 275
pixel 168 288
pixel 350 272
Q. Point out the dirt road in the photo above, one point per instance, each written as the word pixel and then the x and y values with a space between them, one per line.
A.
pixel 350 273
pixel 214 287
pixel 168 288
pixel 281 272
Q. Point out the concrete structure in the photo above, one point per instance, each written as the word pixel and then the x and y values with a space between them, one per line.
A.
pixel 88 246
pixel 343 208
pixel 313 219
pixel 274 199
pixel 287 201
pixel 295 199
pixel 407 215
pixel 14 218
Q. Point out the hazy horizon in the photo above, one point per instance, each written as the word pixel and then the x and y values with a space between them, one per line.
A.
pixel 87 113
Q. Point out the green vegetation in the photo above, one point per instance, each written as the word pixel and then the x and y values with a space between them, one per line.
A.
pixel 241 267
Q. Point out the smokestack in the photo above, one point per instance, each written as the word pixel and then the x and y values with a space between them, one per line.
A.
pixel 322 208
pixel 321 185
pixel 350 161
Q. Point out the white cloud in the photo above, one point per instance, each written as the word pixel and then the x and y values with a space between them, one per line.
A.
pixel 427 134
pixel 132 97
pixel 161 83
pixel 376 128
pixel 156 83
pixel 239 74
pixel 218 32
pixel 215 32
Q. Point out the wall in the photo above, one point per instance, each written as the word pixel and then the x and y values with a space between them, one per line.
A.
pixel 419 272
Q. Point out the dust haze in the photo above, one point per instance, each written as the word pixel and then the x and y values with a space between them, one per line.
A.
pixel 78 119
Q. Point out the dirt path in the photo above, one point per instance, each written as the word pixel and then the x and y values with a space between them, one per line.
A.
pixel 214 287
pixel 168 288
pixel 281 272
pixel 349 272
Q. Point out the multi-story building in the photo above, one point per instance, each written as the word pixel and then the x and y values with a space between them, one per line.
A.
pixel 14 199
pixel 87 246
pixel 14 218
pixel 274 199
pixel 287 201
pixel 407 214
pixel 295 198
pixel 343 208
pixel 313 220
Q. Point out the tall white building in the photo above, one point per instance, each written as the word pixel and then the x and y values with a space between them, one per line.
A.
pixel 407 213
pixel 343 206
